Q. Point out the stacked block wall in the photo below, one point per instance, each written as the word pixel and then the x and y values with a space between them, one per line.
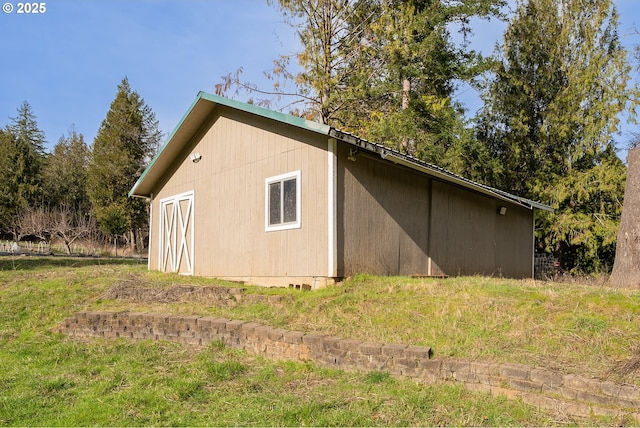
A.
pixel 540 387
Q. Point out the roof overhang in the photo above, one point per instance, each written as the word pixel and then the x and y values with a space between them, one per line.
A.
pixel 434 171
pixel 205 104
pixel 198 112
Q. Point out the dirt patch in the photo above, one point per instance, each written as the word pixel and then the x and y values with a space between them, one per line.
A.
pixel 135 291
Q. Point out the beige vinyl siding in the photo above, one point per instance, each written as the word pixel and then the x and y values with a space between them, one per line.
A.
pixel 383 223
pixel 469 236
pixel 239 152
pixel 395 221
pixel 515 242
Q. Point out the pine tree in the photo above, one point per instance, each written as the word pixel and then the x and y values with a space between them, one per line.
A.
pixel 65 174
pixel 21 157
pixel 550 116
pixel 126 140
pixel 387 71
pixel 410 99
pixel 25 128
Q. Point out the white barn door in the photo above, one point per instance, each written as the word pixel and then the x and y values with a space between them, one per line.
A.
pixel 176 234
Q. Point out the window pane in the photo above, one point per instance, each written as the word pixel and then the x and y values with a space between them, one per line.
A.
pixel 274 204
pixel 289 201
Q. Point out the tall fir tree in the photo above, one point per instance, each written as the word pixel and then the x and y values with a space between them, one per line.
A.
pixel 387 71
pixel 64 174
pixel 21 158
pixel 25 128
pixel 413 78
pixel 550 116
pixel 128 137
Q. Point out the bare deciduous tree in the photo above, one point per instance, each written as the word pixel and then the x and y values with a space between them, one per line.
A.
pixel 36 222
pixel 70 225
pixel 65 223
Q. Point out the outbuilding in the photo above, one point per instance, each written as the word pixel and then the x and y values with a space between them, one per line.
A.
pixel 245 193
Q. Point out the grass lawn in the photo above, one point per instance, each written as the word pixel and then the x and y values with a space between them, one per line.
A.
pixel 49 379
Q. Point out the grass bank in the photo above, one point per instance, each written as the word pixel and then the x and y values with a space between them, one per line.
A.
pixel 584 329
pixel 48 379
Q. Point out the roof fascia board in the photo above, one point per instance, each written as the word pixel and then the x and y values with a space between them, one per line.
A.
pixel 237 105
pixel 446 177
pixel 270 114
pixel 166 143
pixel 400 159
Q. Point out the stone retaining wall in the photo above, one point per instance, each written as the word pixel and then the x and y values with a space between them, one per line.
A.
pixel 546 389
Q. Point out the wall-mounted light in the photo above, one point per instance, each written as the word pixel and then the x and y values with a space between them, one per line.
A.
pixel 195 157
pixel 352 154
pixel 502 210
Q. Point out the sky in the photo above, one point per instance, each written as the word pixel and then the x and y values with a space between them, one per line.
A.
pixel 68 60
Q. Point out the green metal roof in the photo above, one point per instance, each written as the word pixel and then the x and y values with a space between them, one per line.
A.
pixel 205 103
pixel 264 112
pixel 409 161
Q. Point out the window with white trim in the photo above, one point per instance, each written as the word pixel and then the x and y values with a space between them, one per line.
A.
pixel 282 202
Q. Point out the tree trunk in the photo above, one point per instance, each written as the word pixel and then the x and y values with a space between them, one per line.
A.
pixel 626 267
pixel 140 241
pixel 406 92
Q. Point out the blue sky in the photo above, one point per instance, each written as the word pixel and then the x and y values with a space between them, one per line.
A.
pixel 68 61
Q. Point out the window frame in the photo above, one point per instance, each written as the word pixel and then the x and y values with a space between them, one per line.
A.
pixel 297 224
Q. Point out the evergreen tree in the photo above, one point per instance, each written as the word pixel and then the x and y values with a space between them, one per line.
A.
pixel 588 207
pixel 21 157
pixel 128 137
pixel 10 202
pixel 409 96
pixel 385 70
pixel 65 186
pixel 549 119
pixel 25 128
pixel 65 174
pixel 29 141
